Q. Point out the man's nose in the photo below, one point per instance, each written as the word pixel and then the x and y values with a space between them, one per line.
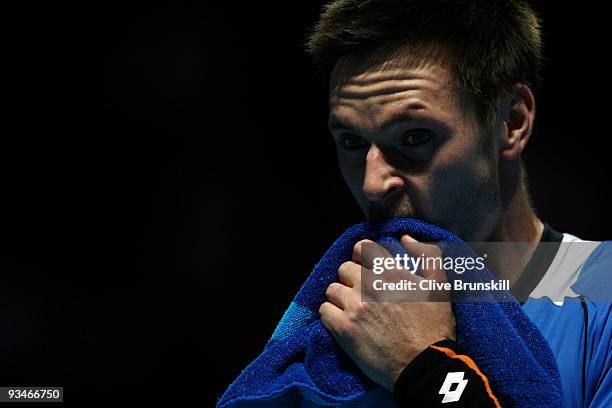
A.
pixel 381 178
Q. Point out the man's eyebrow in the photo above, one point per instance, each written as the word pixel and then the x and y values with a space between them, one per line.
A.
pixel 396 117
pixel 335 122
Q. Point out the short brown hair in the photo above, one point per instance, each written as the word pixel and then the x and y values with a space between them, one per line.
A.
pixel 490 44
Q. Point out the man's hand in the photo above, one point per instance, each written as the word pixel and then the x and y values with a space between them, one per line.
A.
pixel 383 337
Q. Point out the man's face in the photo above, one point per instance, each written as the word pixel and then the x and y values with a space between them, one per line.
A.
pixel 408 145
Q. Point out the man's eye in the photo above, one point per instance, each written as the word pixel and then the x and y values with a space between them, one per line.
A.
pixel 353 142
pixel 416 138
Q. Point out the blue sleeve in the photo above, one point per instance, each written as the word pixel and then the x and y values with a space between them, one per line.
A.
pixel 595 283
pixel 599 358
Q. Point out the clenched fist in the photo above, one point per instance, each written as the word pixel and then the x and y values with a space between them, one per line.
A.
pixel 382 337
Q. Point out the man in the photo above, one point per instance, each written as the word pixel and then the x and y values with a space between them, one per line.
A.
pixel 431 106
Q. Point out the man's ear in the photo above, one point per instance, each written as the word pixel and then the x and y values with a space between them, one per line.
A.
pixel 518 111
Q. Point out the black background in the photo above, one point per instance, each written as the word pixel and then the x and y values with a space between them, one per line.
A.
pixel 156 161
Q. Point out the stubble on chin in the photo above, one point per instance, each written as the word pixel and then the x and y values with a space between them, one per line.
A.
pixel 395 206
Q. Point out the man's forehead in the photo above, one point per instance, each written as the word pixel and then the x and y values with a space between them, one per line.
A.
pixel 387 92
pixel 381 96
pixel 387 80
pixel 389 65
pixel 388 83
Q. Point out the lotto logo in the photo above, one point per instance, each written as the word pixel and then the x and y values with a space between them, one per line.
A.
pixel 450 380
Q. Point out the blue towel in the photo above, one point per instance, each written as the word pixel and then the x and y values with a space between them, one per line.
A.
pixel 302 366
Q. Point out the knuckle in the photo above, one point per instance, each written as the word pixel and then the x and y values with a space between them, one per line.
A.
pixel 358 245
pixel 323 309
pixel 344 328
pixel 333 288
pixel 360 309
pixel 344 267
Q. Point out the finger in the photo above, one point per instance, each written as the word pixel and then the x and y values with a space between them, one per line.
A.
pixel 331 316
pixel 338 294
pixel 436 272
pixel 431 255
pixel 416 248
pixel 349 274
pixel 365 251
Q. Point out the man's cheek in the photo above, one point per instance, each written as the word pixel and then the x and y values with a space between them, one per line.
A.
pixel 353 174
pixel 440 194
pixel 456 191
